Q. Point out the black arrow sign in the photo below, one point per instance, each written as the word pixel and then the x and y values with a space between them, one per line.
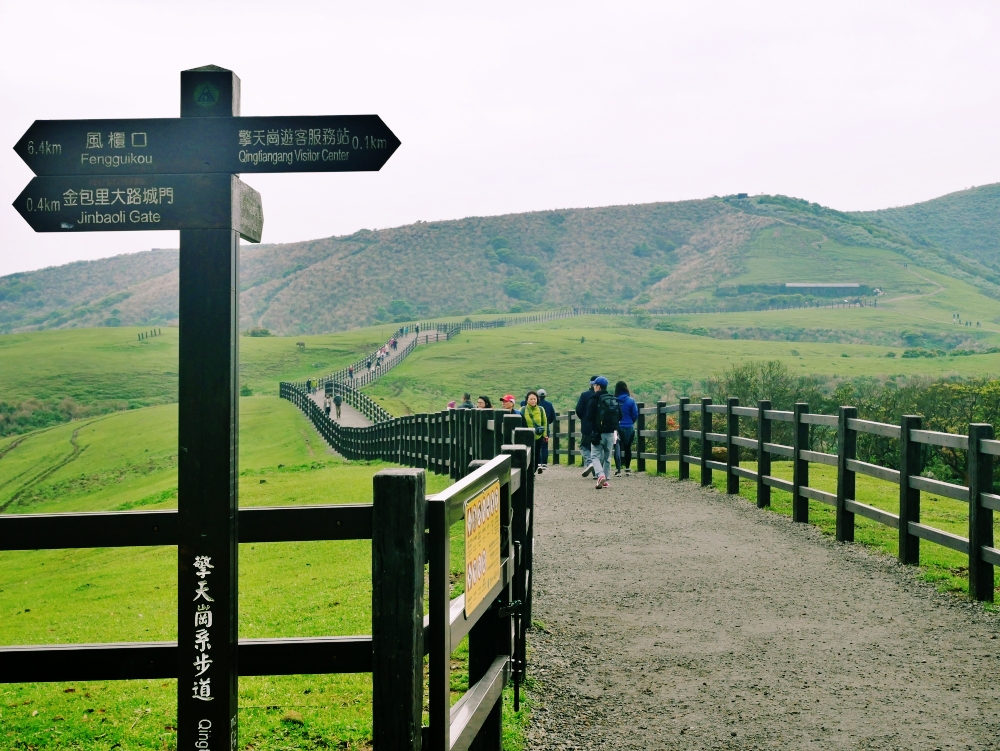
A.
pixel 343 143
pixel 141 202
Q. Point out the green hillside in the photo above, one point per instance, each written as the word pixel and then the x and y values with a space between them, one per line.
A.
pixel 561 355
pixel 55 375
pixel 704 254
pixel 966 222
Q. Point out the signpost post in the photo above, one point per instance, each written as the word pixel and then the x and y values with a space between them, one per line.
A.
pixel 182 174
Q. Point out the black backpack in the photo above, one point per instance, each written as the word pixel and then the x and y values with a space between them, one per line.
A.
pixel 609 413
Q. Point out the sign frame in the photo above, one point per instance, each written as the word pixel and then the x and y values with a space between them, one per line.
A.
pixel 482 546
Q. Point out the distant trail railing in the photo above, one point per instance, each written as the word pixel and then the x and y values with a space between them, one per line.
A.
pixel 693 446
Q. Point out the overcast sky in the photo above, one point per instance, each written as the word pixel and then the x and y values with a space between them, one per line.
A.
pixel 509 107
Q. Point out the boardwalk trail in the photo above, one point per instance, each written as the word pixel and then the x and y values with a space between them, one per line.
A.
pixel 352 418
pixel 674 617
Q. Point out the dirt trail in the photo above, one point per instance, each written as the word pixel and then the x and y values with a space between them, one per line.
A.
pixel 681 618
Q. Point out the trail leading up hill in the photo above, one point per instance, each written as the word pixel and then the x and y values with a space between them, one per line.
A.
pixel 680 618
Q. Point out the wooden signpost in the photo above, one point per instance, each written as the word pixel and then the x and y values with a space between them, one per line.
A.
pixel 181 174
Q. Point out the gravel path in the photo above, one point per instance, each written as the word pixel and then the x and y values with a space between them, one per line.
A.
pixel 674 617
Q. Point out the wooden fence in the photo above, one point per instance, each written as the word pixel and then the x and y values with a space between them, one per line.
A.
pixel 408 530
pixel 694 443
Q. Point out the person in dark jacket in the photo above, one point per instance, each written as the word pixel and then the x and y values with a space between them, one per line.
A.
pixel 466 402
pixel 581 412
pixel 550 414
pixel 602 438
pixel 626 429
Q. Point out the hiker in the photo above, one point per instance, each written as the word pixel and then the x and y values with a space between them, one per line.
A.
pixel 603 414
pixel 466 402
pixel 536 419
pixel 550 416
pixel 626 429
pixel 585 432
pixel 337 401
pixel 326 406
pixel 484 402
pixel 350 372
pixel 507 403
pixel 309 386
pixel 452 404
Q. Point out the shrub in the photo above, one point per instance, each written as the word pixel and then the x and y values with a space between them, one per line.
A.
pixel 258 331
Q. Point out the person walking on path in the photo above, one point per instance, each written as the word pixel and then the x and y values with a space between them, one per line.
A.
pixel 585 430
pixel 350 372
pixel 483 402
pixel 337 401
pixel 550 416
pixel 466 402
pixel 603 414
pixel 326 406
pixel 626 429
pixel 536 419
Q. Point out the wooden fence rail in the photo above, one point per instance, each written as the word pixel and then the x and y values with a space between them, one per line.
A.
pixel 408 530
pixel 979 445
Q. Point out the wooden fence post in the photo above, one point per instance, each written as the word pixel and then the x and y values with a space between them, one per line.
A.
pixel 847 448
pixel 555 440
pixel 661 439
pixel 486 438
pixel 398 523
pixel 800 467
pixel 706 445
pixel 909 498
pixel 684 444
pixel 980 518
pixel 763 457
pixel 571 438
pixel 640 439
pixel 732 450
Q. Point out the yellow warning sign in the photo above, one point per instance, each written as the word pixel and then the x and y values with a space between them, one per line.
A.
pixel 482 546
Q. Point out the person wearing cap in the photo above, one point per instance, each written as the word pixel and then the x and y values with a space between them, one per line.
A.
pixel 603 414
pixel 550 416
pixel 581 412
pixel 507 402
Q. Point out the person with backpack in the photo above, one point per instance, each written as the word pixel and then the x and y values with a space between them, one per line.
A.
pixel 626 428
pixel 604 413
pixel 337 401
pixel 582 405
pixel 536 419
pixel 550 415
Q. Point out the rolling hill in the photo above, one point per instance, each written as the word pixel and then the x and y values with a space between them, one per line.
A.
pixel 720 252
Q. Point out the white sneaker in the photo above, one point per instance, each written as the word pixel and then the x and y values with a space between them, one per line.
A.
pixel 588 471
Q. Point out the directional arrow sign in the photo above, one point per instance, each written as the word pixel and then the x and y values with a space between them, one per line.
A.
pixel 345 143
pixel 141 202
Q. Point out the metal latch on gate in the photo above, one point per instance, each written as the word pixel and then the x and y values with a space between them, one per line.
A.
pixel 513 609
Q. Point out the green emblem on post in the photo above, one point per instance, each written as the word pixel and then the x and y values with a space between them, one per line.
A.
pixel 206 95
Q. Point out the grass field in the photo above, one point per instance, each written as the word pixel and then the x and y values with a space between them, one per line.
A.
pixel 654 363
pixel 111 364
pixel 128 460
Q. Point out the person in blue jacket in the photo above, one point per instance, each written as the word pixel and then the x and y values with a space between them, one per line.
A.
pixel 626 428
